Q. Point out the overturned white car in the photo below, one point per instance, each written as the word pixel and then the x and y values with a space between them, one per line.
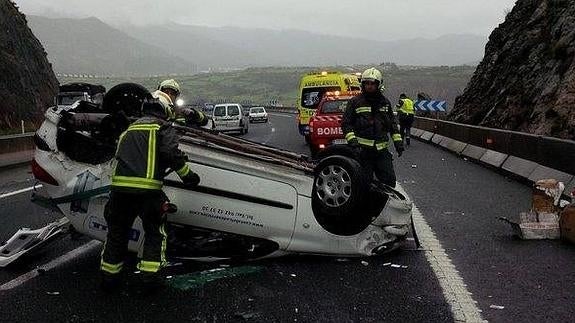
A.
pixel 253 201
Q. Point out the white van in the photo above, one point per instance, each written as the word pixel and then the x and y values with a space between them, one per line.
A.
pixel 230 117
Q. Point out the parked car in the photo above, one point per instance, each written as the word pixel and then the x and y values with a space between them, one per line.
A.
pixel 258 114
pixel 230 117
pixel 254 201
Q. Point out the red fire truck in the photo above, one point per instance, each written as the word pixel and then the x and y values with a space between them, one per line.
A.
pixel 325 124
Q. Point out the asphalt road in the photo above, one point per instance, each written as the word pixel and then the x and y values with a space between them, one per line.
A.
pixel 532 281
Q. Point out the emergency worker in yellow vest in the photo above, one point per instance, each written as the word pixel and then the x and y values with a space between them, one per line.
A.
pixel 367 123
pixel 406 113
pixel 145 151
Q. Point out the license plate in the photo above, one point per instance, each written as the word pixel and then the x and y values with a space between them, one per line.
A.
pixel 339 142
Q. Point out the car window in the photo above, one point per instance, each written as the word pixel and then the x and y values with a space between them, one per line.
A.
pixel 233 110
pixel 336 106
pixel 257 110
pixel 311 97
pixel 69 99
pixel 220 111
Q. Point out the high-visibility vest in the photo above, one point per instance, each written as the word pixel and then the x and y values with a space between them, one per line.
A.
pixel 407 107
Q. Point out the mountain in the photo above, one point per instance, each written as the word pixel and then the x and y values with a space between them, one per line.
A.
pixel 27 82
pixel 526 81
pixel 89 46
pixel 240 47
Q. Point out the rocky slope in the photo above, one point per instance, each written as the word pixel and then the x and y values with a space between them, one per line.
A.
pixel 27 82
pixel 526 81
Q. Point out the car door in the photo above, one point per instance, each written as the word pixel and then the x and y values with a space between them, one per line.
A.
pixel 233 116
pixel 219 116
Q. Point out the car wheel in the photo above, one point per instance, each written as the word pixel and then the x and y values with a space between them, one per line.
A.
pixel 341 196
pixel 125 98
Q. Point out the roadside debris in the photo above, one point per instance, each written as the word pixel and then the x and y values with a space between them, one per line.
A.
pixel 497 307
pixel 248 315
pixel 199 279
pixel 53 293
pixel 365 263
pixel 542 222
pixel 414 166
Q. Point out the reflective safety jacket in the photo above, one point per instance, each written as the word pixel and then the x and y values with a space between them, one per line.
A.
pixel 407 107
pixel 191 117
pixel 145 151
pixel 369 120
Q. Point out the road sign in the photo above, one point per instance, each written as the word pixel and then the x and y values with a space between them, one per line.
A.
pixel 431 106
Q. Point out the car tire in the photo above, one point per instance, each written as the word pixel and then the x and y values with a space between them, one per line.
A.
pixel 125 99
pixel 341 196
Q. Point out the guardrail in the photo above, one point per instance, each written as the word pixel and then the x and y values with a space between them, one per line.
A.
pixel 524 154
pixel 16 149
pixel 16 143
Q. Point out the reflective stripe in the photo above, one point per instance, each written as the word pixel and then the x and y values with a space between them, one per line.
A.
pixel 120 140
pixel 350 136
pixel 381 145
pixel 363 110
pixel 149 266
pixel 136 182
pixel 181 120
pixel 372 143
pixel 151 155
pixel 144 126
pixel 396 137
pixel 185 170
pixel 202 117
pixel 111 268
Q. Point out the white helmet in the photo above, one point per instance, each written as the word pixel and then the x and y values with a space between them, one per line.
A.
pixel 372 74
pixel 170 84
pixel 166 103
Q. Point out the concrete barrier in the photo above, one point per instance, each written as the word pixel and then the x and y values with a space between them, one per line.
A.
pixel 416 132
pixel 543 172
pixel 426 135
pixel 493 158
pixel 453 145
pixel 519 166
pixel 16 158
pixel 436 139
pixel 473 152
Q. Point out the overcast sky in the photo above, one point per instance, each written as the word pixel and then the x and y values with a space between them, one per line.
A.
pixel 375 19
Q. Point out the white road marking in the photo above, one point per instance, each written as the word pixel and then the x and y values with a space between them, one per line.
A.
pixel 18 281
pixel 24 190
pixel 463 307
pixel 292 116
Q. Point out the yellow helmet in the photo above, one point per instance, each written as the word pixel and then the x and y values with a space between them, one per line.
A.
pixel 170 84
pixel 166 103
pixel 372 74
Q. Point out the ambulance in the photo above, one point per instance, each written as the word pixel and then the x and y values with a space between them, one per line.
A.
pixel 313 87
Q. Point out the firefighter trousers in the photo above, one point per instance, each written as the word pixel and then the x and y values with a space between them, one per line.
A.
pixel 120 216
pixel 379 163
pixel 405 123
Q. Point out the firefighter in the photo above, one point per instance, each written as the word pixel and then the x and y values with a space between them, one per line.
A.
pixel 145 151
pixel 366 123
pixel 406 112
pixel 170 90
